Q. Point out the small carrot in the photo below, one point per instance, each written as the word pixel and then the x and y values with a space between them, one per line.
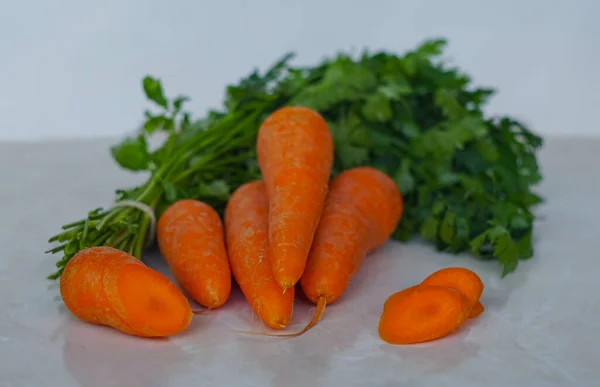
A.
pixel 295 155
pixel 423 314
pixel 191 239
pixel 247 233
pixel 459 278
pixel 106 286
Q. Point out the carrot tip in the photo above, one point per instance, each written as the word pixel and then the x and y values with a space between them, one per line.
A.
pixel 318 314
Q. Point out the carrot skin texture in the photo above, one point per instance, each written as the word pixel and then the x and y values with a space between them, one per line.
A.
pixel 106 286
pixel 425 313
pixel 295 155
pixel 247 237
pixel 362 210
pixel 191 239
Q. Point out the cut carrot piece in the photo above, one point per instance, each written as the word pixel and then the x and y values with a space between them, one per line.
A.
pixel 477 309
pixel 459 278
pixel 425 313
pixel 396 297
pixel 106 286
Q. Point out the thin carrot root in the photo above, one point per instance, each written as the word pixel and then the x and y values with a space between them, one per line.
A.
pixel 424 314
pixel 315 319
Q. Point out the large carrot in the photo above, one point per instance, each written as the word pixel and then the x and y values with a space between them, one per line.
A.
pixel 106 286
pixel 422 314
pixel 191 239
pixel 246 230
pixel 295 155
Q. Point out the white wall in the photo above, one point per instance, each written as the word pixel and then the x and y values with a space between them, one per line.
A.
pixel 73 67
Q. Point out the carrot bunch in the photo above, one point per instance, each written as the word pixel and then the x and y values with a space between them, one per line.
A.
pixel 295 226
pixel 436 307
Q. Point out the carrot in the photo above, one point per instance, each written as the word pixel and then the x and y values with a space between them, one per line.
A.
pixel 362 210
pixel 459 278
pixel 477 309
pixel 397 296
pixel 295 155
pixel 426 313
pixel 191 238
pixel 246 230
pixel 106 286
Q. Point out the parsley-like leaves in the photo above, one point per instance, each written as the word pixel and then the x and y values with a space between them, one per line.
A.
pixel 467 180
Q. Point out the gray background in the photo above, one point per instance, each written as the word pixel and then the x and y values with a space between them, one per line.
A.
pixel 73 68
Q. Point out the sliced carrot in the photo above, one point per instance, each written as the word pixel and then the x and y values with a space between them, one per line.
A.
pixel 459 278
pixel 246 229
pixel 191 239
pixel 106 286
pixel 394 298
pixel 425 313
pixel 477 309
pixel 295 155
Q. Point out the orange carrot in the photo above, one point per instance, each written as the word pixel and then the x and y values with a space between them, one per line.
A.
pixel 247 233
pixel 295 155
pixel 362 210
pixel 476 310
pixel 106 286
pixel 425 313
pixel 459 278
pixel 191 238
pixel 397 296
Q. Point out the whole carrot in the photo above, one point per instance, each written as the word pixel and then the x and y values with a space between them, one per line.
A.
pixel 362 210
pixel 295 155
pixel 191 239
pixel 106 286
pixel 246 230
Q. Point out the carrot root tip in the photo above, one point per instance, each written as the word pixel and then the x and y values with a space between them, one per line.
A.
pixel 316 318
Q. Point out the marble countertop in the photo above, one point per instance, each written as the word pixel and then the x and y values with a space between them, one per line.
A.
pixel 541 326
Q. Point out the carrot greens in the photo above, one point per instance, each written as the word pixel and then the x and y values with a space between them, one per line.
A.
pixel 466 178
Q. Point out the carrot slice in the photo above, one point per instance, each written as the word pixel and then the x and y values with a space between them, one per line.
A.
pixel 459 278
pixel 106 286
pixel 423 314
pixel 477 309
pixel 396 297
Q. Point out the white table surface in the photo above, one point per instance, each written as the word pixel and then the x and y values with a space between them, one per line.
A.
pixel 541 326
